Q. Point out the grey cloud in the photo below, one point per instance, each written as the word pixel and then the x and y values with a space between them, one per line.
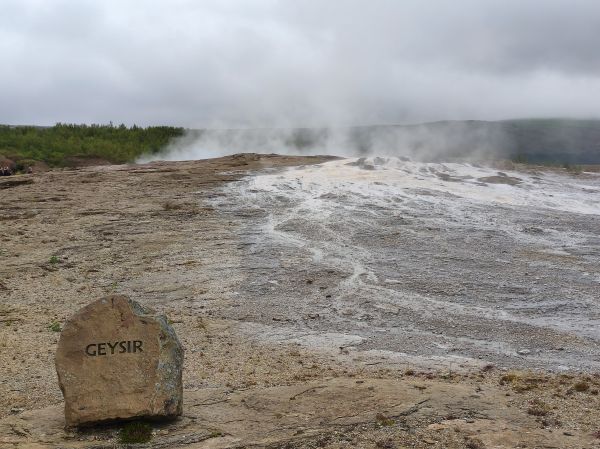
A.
pixel 294 63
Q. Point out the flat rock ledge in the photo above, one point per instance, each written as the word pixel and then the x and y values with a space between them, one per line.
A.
pixel 117 360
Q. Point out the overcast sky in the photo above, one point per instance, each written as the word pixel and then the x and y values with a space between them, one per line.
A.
pixel 229 63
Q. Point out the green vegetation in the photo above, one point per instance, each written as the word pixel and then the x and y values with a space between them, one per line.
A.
pixel 54 326
pixel 67 145
pixel 53 260
pixel 135 432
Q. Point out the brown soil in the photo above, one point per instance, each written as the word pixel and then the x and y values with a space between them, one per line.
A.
pixel 147 231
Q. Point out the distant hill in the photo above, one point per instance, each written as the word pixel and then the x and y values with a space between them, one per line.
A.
pixel 528 140
pixel 570 141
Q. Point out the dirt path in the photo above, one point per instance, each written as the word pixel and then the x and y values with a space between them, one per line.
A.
pixel 152 232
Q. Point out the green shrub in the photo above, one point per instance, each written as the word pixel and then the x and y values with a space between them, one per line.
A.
pixel 135 432
pixel 54 326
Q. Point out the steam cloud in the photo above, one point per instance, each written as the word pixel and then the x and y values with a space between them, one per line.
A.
pixel 474 140
pixel 555 141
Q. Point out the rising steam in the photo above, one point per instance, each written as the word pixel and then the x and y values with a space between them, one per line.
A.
pixel 555 141
pixel 428 142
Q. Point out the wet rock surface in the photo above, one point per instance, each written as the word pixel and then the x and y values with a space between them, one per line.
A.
pixel 118 360
pixel 394 259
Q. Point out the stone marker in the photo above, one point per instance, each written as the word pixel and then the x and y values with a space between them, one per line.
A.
pixel 118 360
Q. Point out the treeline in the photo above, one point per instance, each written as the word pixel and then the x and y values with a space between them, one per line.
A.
pixel 68 144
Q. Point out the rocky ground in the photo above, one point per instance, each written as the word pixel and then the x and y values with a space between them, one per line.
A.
pixel 175 237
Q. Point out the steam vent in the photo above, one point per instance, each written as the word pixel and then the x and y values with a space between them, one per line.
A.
pixel 118 360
